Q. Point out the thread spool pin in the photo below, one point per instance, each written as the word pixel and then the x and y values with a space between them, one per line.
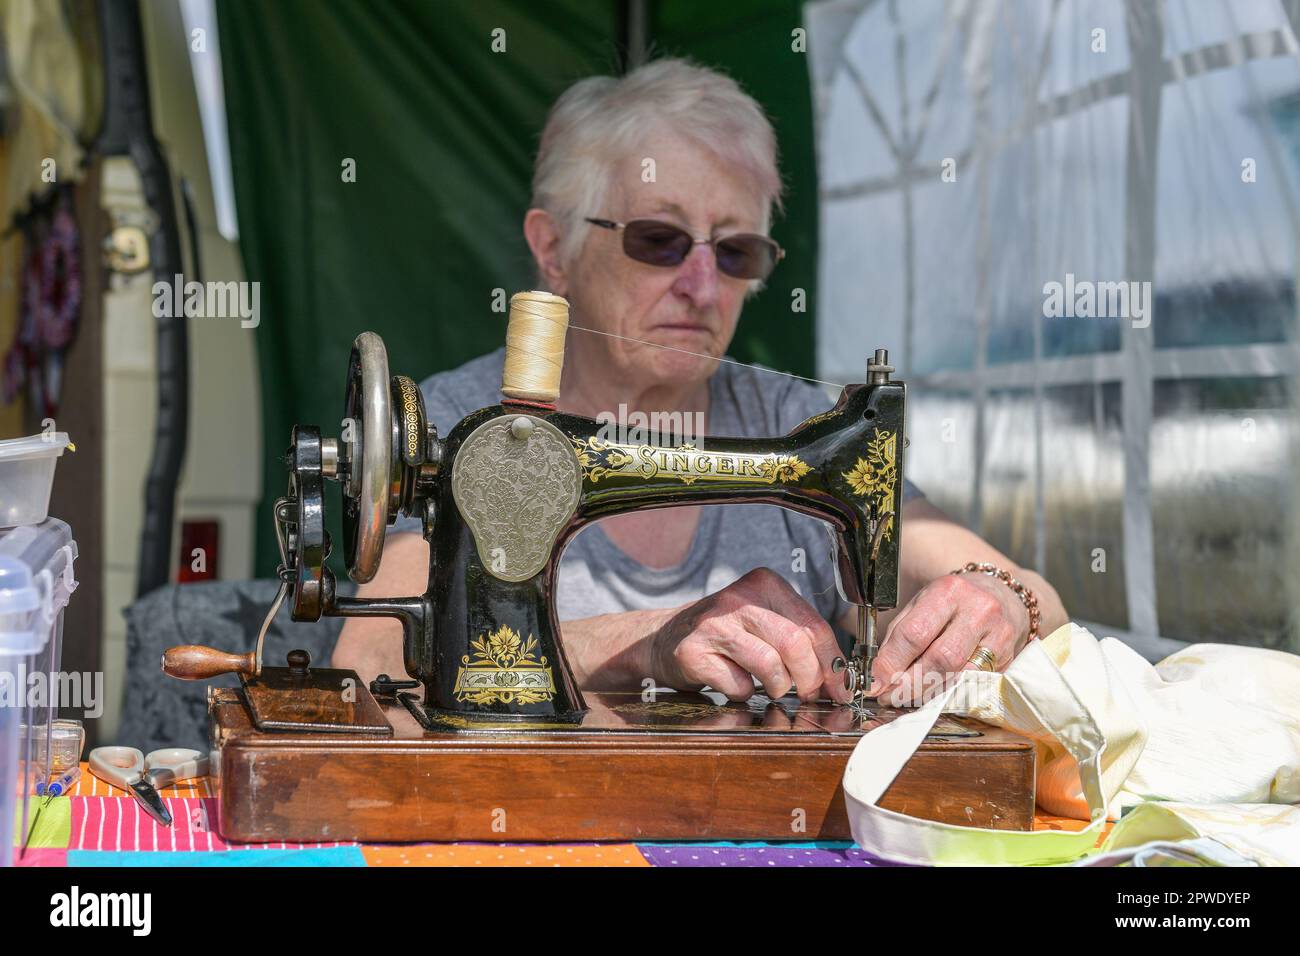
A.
pixel 521 427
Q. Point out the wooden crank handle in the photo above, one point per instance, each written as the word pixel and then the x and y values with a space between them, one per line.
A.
pixel 196 662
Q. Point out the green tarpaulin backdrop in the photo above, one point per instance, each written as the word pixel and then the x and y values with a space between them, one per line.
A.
pixel 442 131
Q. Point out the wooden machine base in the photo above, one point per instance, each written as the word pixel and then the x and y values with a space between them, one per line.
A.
pixel 682 768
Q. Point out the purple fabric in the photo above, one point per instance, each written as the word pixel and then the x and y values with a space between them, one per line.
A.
pixel 687 854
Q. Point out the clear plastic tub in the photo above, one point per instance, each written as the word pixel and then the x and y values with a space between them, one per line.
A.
pixel 26 477
pixel 36 581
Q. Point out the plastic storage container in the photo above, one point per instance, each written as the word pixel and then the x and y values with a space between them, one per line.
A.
pixel 26 477
pixel 36 580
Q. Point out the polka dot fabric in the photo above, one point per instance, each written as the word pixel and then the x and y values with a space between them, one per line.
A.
pixel 492 854
pixel 758 855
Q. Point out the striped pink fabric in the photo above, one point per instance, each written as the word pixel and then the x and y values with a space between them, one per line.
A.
pixel 120 823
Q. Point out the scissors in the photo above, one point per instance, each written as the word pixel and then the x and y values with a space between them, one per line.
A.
pixel 128 768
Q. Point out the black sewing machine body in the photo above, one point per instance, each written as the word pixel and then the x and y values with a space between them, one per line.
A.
pixel 826 468
pixel 506 489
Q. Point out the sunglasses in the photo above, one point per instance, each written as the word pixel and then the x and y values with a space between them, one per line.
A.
pixel 745 255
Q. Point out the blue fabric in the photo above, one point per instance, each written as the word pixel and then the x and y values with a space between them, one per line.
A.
pixel 326 856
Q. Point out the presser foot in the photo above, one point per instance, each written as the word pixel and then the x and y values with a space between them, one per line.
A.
pixel 857 678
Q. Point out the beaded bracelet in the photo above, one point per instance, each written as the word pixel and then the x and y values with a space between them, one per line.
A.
pixel 1027 597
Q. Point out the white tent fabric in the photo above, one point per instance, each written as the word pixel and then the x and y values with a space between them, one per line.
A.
pixel 1074 224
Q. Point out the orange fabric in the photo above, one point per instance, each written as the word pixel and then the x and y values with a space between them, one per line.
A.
pixel 88 785
pixel 489 854
pixel 1047 821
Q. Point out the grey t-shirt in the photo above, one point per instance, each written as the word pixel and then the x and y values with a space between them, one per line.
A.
pixel 598 577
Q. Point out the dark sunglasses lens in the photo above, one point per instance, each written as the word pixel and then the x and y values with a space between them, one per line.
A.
pixel 746 257
pixel 656 243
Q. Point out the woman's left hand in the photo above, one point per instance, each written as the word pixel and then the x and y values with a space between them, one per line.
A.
pixel 933 637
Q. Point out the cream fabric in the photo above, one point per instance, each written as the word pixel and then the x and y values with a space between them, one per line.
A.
pixel 1214 731
pixel 1224 834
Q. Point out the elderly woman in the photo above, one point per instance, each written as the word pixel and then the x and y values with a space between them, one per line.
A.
pixel 652 198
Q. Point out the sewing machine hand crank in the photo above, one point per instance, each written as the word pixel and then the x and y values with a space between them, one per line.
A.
pixel 379 460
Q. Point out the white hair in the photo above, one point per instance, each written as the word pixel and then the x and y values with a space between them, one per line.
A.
pixel 601 119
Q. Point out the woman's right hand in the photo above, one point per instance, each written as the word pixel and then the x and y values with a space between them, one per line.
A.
pixel 757 627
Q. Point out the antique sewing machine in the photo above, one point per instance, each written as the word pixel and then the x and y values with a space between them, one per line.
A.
pixel 489 737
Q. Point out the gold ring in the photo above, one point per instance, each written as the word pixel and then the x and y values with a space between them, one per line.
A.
pixel 984 659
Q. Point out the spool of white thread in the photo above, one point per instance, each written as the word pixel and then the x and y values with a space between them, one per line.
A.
pixel 535 346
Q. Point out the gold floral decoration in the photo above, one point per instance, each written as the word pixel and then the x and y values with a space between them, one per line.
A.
pixel 599 458
pixel 505 669
pixel 504 647
pixel 875 476
pixel 788 468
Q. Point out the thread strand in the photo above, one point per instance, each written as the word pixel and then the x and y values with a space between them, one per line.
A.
pixel 672 348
